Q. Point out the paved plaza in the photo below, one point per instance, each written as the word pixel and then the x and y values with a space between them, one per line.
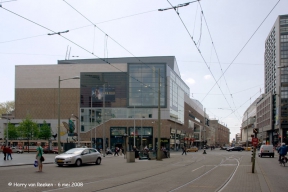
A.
pixel 215 171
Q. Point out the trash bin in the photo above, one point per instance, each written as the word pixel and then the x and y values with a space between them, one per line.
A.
pixel 130 156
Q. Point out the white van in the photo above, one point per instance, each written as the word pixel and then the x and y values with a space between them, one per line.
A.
pixel 266 150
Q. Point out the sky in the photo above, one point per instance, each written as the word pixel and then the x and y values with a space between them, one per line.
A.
pixel 136 28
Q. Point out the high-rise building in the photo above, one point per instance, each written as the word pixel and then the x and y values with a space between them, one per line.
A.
pixel 276 82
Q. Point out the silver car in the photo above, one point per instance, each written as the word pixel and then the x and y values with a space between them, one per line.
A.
pixel 78 156
pixel 16 150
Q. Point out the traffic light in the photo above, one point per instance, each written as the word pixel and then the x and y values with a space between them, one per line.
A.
pixel 255 131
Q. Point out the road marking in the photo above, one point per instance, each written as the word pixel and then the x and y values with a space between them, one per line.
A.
pixel 201 167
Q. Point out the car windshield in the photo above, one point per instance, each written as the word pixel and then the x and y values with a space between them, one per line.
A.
pixel 74 151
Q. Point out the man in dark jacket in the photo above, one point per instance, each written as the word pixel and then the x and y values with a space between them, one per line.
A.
pixel 5 151
pixel 282 151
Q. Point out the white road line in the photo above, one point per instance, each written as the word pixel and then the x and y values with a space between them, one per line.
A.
pixel 201 167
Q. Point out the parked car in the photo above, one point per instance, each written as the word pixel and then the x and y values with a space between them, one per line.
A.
pixel 46 150
pixel 16 150
pixel 78 156
pixel 266 150
pixel 235 149
pixel 192 149
pixel 223 148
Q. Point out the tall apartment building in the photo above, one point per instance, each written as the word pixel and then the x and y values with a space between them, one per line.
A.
pixel 276 83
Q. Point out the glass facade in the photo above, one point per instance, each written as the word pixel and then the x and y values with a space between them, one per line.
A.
pixel 177 90
pixel 143 84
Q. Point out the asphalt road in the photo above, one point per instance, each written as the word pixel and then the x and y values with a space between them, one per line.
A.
pixel 216 171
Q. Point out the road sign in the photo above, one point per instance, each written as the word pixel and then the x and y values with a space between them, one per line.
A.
pixel 254 141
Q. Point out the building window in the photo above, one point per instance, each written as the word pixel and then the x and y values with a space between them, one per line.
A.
pixel 143 85
pixel 284 38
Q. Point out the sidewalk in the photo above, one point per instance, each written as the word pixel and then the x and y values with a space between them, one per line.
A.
pixel 25 159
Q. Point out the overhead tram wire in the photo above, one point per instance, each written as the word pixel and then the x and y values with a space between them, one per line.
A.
pixel 76 45
pixel 242 105
pixel 232 93
pixel 84 26
pixel 242 49
pixel 111 37
pixel 202 13
pixel 200 53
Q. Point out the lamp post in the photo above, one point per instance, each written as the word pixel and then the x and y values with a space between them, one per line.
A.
pixel 7 134
pixel 247 132
pixel 59 136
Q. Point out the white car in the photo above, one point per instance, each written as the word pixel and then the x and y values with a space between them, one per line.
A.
pixel 78 156
pixel 16 150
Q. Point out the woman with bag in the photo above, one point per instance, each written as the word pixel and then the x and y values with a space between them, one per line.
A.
pixel 39 155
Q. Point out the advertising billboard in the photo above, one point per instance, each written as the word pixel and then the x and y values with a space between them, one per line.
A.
pixel 97 94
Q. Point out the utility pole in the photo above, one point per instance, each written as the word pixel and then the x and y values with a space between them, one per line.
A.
pixel 159 118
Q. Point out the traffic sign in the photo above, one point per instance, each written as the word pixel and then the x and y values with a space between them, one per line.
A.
pixel 254 141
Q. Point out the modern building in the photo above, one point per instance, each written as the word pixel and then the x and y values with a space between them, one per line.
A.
pixel 113 100
pixel 276 79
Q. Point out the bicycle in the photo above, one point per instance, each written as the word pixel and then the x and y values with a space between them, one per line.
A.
pixel 283 160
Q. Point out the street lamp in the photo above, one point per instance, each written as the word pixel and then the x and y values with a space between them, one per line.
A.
pixel 7 118
pixel 59 136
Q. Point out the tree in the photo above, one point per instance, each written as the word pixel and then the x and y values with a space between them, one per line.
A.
pixel 28 128
pixel 12 132
pixel 45 131
pixel 7 107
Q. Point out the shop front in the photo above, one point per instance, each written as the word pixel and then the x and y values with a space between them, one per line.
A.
pixel 117 138
pixel 143 137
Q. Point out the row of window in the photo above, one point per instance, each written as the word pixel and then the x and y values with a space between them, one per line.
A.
pixel 284 38
pixel 284 46
pixel 284 21
pixel 284 54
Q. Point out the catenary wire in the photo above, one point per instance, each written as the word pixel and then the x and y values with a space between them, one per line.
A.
pixel 200 54
pixel 243 47
pixel 80 47
pixel 85 25
pixel 137 58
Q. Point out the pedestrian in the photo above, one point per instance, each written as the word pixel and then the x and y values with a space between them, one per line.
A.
pixel 9 152
pixel 5 151
pixel 184 150
pixel 39 155
pixel 116 151
pixel 282 152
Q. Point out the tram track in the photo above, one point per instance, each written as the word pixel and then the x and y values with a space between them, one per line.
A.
pixel 186 164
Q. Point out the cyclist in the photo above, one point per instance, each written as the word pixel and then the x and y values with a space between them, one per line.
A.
pixel 282 152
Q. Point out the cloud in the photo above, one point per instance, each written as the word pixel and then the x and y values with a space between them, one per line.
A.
pixel 207 77
pixel 190 81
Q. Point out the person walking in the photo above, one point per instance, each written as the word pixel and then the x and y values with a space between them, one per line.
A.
pixel 5 151
pixel 116 151
pixel 9 152
pixel 39 155
pixel 120 151
pixel 184 150
pixel 282 152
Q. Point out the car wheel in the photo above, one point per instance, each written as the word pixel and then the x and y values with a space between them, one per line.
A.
pixel 78 163
pixel 60 165
pixel 18 152
pixel 98 161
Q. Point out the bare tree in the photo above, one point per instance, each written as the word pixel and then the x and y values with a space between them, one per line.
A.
pixel 7 107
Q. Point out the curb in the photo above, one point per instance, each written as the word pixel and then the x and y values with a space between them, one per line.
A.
pixel 23 164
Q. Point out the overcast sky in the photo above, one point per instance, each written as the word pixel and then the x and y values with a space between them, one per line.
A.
pixel 144 31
